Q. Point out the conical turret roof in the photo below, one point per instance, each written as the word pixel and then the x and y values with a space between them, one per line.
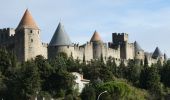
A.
pixel 27 21
pixel 95 37
pixel 157 53
pixel 60 37
pixel 137 46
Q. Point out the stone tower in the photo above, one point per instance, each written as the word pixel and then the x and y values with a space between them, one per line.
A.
pixel 121 39
pixel 139 52
pixel 97 45
pixel 27 38
pixel 60 42
pixel 157 55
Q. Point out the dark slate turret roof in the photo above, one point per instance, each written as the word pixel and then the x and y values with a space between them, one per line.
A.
pixel 157 53
pixel 95 37
pixel 137 46
pixel 27 21
pixel 60 37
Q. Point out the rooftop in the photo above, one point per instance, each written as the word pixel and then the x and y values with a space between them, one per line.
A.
pixel 27 21
pixel 95 37
pixel 60 37
pixel 137 46
pixel 157 53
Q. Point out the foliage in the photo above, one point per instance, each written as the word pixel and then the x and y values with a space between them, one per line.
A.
pixel 97 69
pixel 7 62
pixel 30 79
pixel 120 90
pixel 2 85
pixel 150 80
pixel 88 93
pixel 165 73
pixel 52 78
pixel 111 64
pixel 134 70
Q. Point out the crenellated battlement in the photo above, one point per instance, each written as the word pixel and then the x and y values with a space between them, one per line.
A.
pixel 4 30
pixel 6 34
pixel 44 44
pixel 118 38
pixel 119 34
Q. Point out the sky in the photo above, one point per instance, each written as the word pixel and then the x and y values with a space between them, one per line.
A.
pixel 145 21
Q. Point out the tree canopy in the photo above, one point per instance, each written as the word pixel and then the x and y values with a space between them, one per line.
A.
pixel 52 78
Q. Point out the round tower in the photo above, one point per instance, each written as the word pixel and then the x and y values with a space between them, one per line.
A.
pixel 60 43
pixel 158 56
pixel 139 52
pixel 97 45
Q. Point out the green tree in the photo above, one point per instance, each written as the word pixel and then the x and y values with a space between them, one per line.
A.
pixel 73 65
pixel 150 80
pixel 24 82
pixel 7 62
pixel 111 64
pixel 92 70
pixel 30 79
pixel 59 82
pixel 2 86
pixel 88 93
pixel 44 70
pixel 122 70
pixel 59 63
pixel 105 74
pixel 134 70
pixel 119 90
pixel 165 73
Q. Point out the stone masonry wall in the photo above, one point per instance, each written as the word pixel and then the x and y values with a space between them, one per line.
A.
pixel 88 51
pixel 32 44
pixel 54 50
pixel 130 53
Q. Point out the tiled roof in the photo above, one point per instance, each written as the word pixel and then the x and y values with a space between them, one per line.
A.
pixel 157 53
pixel 60 37
pixel 137 46
pixel 95 37
pixel 27 21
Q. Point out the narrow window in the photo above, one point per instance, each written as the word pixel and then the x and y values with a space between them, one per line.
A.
pixel 31 40
pixel 30 31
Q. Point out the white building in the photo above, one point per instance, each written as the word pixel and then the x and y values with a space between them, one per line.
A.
pixel 80 81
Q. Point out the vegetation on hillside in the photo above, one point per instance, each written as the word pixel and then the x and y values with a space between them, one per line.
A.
pixel 52 78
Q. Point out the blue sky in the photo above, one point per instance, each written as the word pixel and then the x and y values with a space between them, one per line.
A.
pixel 146 21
